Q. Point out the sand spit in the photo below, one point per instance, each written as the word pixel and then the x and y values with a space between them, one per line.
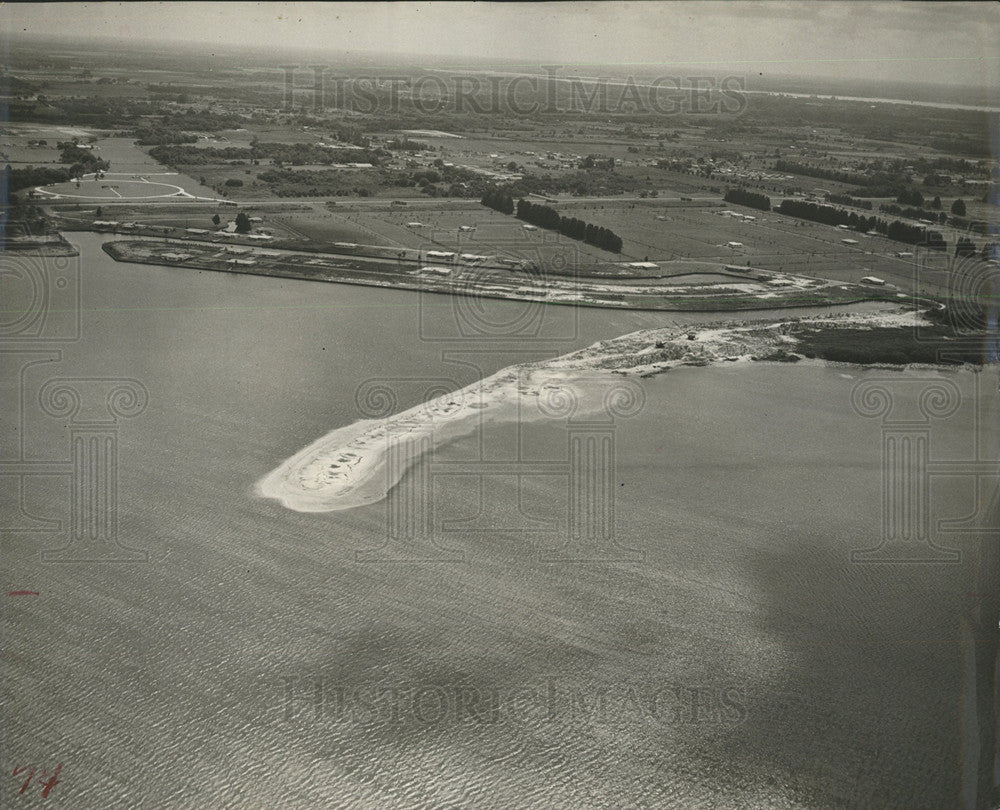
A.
pixel 360 463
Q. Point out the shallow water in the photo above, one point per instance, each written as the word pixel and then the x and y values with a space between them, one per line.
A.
pixel 700 639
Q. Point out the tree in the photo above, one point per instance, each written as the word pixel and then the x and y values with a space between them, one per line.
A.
pixel 216 220
pixel 936 203
pixel 958 208
pixel 98 212
pixel 910 197
pixel 242 223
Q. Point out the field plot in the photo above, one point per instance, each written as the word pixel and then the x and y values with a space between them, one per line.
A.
pixel 480 230
pixel 679 239
pixel 325 226
pixel 770 241
pixel 20 144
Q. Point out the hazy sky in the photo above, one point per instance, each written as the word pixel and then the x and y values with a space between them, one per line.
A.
pixel 954 43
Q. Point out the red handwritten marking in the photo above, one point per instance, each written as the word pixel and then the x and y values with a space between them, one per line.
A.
pixel 46 786
pixel 23 593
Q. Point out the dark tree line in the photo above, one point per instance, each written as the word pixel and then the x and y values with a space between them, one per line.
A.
pixel 847 199
pixel 498 200
pixel 837 175
pixel 751 199
pixel 914 213
pixel 910 196
pixel 19 179
pixel 545 217
pixel 896 230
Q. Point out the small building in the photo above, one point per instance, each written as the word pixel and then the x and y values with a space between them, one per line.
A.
pixel 444 271
pixel 849 241
pixel 874 281
pixel 734 245
pixel 529 227
pixel 440 254
pixel 196 230
pixel 644 265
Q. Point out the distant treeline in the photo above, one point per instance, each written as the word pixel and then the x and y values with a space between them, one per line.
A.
pixel 837 175
pixel 879 180
pixel 153 136
pixel 20 179
pixel 498 200
pixel 963 145
pixel 896 230
pixel 545 217
pixel 751 199
pixel 914 213
pixel 319 183
pixel 847 199
pixel 294 154
pixel 174 155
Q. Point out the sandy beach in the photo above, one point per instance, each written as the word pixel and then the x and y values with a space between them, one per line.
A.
pixel 350 467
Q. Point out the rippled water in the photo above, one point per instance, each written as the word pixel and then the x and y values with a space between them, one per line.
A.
pixel 704 641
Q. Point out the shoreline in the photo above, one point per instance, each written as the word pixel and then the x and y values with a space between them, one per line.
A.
pixel 358 464
pixel 49 245
pixel 757 289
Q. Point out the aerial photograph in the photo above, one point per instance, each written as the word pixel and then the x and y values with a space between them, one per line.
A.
pixel 446 405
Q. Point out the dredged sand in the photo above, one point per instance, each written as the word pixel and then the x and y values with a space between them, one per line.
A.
pixel 355 465
pixel 350 466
